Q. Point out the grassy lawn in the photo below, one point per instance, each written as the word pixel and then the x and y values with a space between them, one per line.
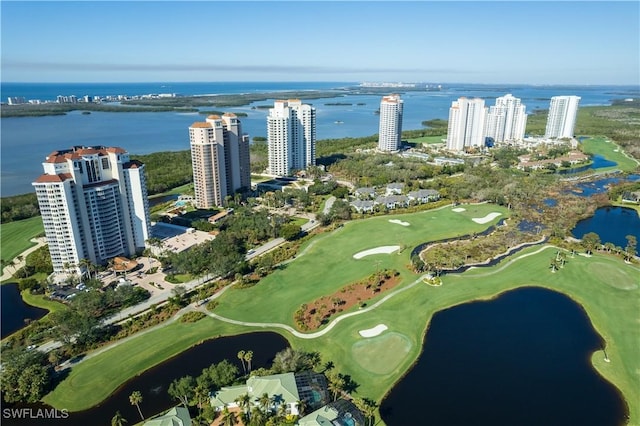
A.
pixel 606 287
pixel 328 263
pixel 95 379
pixel 610 151
pixel 184 189
pixel 39 301
pixel 16 235
pixel 428 139
pixel 299 220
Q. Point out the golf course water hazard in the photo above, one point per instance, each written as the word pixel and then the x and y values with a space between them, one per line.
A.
pixel 154 382
pixel 521 359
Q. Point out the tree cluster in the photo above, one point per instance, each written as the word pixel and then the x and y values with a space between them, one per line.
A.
pixel 19 207
pixel 26 376
pixel 166 170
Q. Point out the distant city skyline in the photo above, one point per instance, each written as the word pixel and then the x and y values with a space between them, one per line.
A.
pixel 518 42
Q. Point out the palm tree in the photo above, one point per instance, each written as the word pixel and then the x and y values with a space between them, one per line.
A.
pixel 136 399
pixel 553 265
pixel 118 420
pixel 241 358
pixel 630 249
pixel 248 356
pixel 336 383
pixel 244 402
pixel 201 394
pixel 302 407
pixel 228 417
pixel 264 402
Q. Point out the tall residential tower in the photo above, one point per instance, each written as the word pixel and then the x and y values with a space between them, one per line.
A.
pixel 291 135
pixel 506 121
pixel 466 124
pixel 390 134
pixel 93 202
pixel 561 120
pixel 220 159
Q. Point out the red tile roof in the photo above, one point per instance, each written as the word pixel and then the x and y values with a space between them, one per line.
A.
pixel 201 125
pixel 53 178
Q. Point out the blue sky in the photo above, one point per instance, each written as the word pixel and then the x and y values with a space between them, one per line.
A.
pixel 541 42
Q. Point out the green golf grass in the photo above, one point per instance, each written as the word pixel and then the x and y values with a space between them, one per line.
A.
pixel 610 151
pixel 15 236
pixel 327 262
pixel 613 310
pixel 429 139
pixel 381 354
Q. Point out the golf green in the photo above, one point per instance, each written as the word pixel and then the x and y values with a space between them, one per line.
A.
pixel 381 354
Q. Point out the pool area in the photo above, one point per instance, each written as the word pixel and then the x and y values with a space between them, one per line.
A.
pixel 180 203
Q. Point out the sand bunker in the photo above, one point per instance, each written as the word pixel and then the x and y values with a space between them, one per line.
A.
pixel 487 218
pixel 458 209
pixel 399 222
pixel 372 332
pixel 377 250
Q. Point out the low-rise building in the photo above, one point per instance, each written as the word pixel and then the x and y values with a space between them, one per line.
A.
pixel 423 195
pixel 363 206
pixel 287 388
pixel 177 416
pixel 395 188
pixel 392 201
pixel 365 192
pixel 337 413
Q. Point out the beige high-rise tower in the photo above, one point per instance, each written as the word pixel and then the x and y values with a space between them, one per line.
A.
pixel 390 126
pixel 220 159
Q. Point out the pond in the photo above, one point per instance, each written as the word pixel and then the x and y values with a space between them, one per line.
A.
pixel 612 224
pixel 587 189
pixel 153 383
pixel 15 313
pixel 521 359
pixel 599 162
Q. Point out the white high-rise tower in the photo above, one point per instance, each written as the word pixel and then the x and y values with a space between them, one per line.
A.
pixel 466 124
pixel 561 120
pixel 390 134
pixel 506 121
pixel 220 159
pixel 291 136
pixel 94 206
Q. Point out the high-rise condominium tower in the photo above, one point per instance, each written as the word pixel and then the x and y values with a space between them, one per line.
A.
pixel 506 121
pixel 466 124
pixel 561 120
pixel 390 133
pixel 220 159
pixel 93 202
pixel 291 134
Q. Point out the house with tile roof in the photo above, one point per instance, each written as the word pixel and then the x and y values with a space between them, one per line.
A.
pixel 287 388
pixel 337 413
pixel 177 416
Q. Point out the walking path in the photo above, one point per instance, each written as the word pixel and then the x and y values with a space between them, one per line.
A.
pixel 196 306
pixel 333 323
pixel 6 275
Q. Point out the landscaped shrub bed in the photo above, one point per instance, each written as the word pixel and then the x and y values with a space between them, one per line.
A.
pixel 311 316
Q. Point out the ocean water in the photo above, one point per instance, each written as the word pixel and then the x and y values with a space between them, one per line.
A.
pixel 26 141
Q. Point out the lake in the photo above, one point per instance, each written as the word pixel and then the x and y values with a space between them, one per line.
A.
pixel 521 359
pixel 612 224
pixel 154 382
pixel 14 311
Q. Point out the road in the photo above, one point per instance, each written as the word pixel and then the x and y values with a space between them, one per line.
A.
pixel 158 296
